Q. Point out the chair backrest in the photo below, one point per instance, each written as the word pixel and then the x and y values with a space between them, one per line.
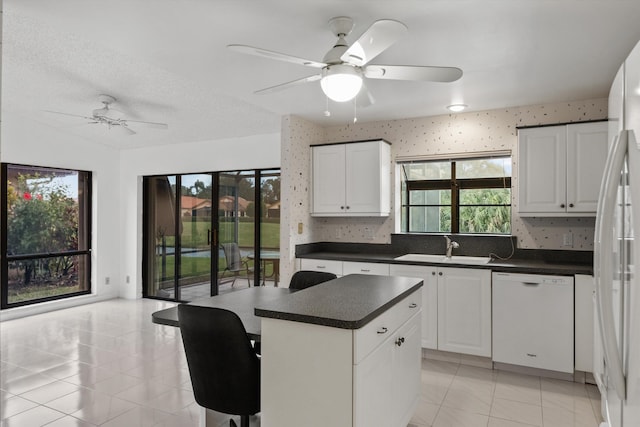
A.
pixel 232 256
pixel 305 279
pixel 224 367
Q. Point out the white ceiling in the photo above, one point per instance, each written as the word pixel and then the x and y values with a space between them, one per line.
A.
pixel 166 60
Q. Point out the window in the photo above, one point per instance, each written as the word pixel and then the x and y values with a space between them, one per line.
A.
pixel 46 234
pixel 457 196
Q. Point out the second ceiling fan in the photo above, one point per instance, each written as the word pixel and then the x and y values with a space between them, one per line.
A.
pixel 343 67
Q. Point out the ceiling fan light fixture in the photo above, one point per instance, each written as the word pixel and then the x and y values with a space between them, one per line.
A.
pixel 456 108
pixel 341 82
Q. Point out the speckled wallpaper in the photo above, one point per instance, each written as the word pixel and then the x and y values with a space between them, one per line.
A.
pixel 452 133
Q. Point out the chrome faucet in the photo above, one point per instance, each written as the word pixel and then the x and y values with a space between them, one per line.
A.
pixel 450 246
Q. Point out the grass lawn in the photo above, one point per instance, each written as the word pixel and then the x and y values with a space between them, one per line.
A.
pixel 194 235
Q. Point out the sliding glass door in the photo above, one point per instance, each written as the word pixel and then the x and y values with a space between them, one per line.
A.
pixel 201 231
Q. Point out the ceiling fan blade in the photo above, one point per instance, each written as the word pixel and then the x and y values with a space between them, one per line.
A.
pixel 250 50
pixel 162 126
pixel 364 98
pixel 378 37
pixel 287 85
pixel 413 72
pixel 127 129
pixel 70 115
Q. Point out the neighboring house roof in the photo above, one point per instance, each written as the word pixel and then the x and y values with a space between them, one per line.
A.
pixel 227 203
pixel 194 203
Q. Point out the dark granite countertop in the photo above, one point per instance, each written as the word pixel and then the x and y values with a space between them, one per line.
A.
pixel 513 265
pixel 349 302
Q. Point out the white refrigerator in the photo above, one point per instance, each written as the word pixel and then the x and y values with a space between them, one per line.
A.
pixel 616 256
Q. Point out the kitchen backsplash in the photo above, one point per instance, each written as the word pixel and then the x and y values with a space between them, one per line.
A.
pixel 452 133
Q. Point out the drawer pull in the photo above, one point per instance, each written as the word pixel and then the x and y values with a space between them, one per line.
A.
pixel 530 283
pixel 532 355
pixel 364 270
pixel 382 330
pixel 413 305
pixel 400 341
pixel 321 266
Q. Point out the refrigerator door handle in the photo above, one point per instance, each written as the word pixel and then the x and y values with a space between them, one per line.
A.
pixel 603 250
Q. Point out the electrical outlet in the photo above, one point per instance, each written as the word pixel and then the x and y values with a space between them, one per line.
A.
pixel 567 239
pixel 299 228
pixel 106 280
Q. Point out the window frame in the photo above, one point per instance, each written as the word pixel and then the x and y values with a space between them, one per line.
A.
pixel 453 184
pixel 84 221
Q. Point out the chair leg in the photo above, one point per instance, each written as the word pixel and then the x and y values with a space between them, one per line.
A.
pixel 244 420
pixel 233 423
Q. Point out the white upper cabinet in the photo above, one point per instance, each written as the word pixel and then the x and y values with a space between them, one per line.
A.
pixel 351 179
pixel 560 168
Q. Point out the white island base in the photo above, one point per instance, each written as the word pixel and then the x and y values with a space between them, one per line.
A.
pixel 319 376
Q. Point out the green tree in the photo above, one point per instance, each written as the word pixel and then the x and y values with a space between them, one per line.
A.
pixel 42 219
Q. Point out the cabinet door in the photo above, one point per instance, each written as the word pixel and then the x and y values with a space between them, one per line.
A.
pixel 367 178
pixel 429 277
pixel 584 322
pixel 542 170
pixel 328 179
pixel 406 362
pixel 464 311
pixel 586 155
pixel 373 378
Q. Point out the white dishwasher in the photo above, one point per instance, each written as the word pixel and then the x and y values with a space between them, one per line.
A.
pixel 533 321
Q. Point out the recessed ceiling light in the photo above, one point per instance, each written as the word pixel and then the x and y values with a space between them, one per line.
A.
pixel 456 108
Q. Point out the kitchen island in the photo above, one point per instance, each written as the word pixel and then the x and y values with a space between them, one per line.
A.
pixel 342 353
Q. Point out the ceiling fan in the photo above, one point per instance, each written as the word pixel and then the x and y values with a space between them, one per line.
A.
pixel 343 68
pixel 112 118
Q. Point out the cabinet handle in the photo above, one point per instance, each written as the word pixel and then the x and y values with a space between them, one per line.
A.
pixel 399 341
pixel 433 273
pixel 321 266
pixel 562 205
pixel 440 273
pixel 530 283
pixel 382 330
pixel 532 355
pixel 364 270
pixel 413 305
pixel 570 205
pixel 348 207
pixel 341 207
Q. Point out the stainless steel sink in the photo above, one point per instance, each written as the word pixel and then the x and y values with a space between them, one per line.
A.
pixel 456 259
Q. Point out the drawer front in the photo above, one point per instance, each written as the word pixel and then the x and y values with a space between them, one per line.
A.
pixel 330 266
pixel 369 337
pixel 365 268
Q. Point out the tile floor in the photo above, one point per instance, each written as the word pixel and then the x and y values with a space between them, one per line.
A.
pixel 106 364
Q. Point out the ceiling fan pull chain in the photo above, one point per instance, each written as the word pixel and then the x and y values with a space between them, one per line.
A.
pixel 327 113
pixel 355 110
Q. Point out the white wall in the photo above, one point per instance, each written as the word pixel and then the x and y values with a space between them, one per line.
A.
pixel 477 131
pixel 255 152
pixel 25 141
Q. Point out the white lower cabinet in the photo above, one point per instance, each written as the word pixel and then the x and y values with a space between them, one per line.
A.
pixel 533 321
pixel 464 311
pixel 429 299
pixel 329 266
pixel 456 313
pixel 584 322
pixel 387 397
pixel 350 267
pixel 368 377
